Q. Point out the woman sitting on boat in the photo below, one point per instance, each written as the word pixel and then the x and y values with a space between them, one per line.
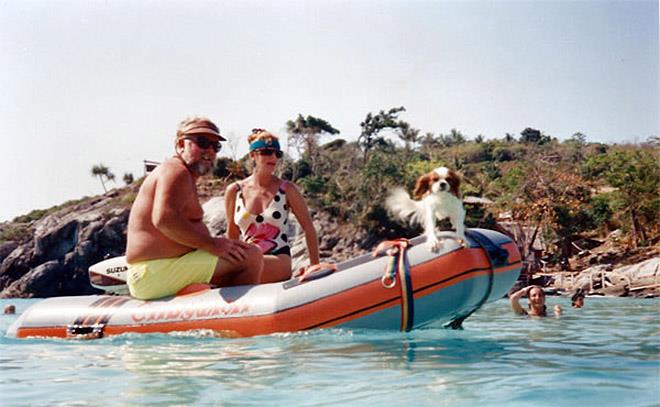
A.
pixel 258 206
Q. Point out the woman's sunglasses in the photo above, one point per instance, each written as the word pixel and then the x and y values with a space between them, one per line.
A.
pixel 204 143
pixel 270 151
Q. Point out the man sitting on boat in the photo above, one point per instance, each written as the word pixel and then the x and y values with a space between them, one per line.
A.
pixel 168 246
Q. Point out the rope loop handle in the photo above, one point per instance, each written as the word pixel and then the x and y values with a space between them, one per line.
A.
pixel 396 249
pixel 388 281
pixel 398 270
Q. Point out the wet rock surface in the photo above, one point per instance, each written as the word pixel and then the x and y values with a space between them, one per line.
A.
pixel 54 260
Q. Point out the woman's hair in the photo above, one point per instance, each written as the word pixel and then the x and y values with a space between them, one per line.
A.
pixel 578 294
pixel 261 134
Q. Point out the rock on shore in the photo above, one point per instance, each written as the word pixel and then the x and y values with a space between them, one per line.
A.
pixel 54 261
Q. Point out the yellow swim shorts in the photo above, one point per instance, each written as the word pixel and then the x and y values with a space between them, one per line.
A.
pixel 158 278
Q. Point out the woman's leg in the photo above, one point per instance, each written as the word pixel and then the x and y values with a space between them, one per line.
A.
pixel 276 268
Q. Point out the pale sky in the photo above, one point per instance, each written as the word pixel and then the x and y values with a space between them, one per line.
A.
pixel 87 82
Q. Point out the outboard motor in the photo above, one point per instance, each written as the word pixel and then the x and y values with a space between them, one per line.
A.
pixel 110 275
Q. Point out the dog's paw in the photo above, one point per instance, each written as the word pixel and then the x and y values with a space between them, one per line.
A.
pixel 461 240
pixel 433 245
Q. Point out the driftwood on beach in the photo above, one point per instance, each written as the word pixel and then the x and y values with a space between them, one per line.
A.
pixel 641 279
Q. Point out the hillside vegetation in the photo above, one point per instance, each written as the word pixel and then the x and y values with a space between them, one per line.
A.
pixel 561 191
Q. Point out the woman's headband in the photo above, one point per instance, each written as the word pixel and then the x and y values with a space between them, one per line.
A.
pixel 261 143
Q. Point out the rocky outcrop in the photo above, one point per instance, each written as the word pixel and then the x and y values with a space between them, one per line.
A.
pixel 64 244
pixel 56 259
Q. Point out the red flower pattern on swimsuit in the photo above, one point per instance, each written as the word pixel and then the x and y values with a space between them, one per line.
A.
pixel 262 235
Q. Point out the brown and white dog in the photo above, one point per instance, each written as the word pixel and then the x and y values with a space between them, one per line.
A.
pixel 436 195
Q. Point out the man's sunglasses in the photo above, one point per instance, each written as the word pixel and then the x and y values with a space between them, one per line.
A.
pixel 204 143
pixel 270 151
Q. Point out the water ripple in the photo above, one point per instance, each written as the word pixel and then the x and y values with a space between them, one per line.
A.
pixel 599 355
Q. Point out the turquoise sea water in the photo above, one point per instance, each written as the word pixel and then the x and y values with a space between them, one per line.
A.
pixel 606 354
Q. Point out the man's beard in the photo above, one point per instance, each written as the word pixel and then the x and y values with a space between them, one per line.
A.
pixel 200 168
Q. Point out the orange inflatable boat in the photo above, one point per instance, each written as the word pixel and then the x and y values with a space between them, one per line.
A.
pixel 405 287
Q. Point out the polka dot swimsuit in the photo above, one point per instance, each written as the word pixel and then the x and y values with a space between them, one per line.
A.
pixel 267 229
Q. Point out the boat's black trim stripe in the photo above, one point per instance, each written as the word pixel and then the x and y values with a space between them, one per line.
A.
pixel 496 255
pixel 407 300
pixel 82 319
pixel 92 318
pixel 394 299
pixel 103 319
pixel 461 274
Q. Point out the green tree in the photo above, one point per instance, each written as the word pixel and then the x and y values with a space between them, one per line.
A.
pixel 408 134
pixel 428 142
pixel 576 145
pixel 454 138
pixel 578 139
pixel 228 169
pixel 550 200
pixel 103 173
pixel 372 125
pixel 636 175
pixel 533 136
pixel 304 134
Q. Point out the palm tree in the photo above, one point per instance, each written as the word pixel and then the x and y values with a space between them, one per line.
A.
pixel 102 172
pixel 128 178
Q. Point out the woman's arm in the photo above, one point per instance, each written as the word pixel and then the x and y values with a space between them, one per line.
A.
pixel 300 210
pixel 233 232
pixel 514 299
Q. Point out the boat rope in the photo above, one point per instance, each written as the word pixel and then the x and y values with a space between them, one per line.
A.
pixel 398 269
pixel 496 256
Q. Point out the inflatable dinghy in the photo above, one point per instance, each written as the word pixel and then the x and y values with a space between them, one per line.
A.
pixel 405 287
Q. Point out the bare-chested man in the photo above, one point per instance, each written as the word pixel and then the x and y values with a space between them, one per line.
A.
pixel 168 245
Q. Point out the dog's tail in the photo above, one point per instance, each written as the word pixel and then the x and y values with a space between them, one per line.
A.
pixel 402 206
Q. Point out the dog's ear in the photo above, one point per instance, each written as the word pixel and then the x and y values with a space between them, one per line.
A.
pixel 422 186
pixel 454 180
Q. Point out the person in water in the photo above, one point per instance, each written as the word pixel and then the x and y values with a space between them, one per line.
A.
pixel 168 246
pixel 258 208
pixel 577 300
pixel 536 302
